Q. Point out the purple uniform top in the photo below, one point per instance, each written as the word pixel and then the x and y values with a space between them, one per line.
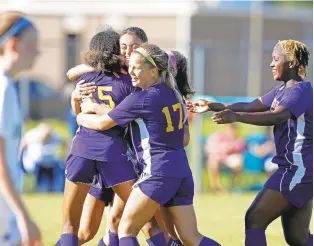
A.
pixel 294 138
pixel 157 132
pixel 107 145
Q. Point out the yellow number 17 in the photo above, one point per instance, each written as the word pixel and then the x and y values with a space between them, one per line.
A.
pixel 166 112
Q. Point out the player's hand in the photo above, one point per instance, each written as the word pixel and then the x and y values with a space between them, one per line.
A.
pixel 200 106
pixel 121 71
pixel 79 70
pixel 224 117
pixel 83 90
pixel 30 235
pixel 89 107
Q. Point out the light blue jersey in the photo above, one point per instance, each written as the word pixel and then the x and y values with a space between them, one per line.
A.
pixel 10 131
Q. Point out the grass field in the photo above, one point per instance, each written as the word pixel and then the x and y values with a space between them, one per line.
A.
pixel 220 217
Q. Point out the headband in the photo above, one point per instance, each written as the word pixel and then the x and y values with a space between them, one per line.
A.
pixel 15 29
pixel 147 56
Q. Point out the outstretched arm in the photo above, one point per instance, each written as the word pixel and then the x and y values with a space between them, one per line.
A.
pixel 268 118
pixel 202 106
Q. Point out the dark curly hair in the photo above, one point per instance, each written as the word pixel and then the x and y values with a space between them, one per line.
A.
pixel 136 31
pixel 182 75
pixel 104 52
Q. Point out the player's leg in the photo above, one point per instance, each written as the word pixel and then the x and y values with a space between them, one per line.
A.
pixel 138 211
pixel 267 206
pixel 296 225
pixel 73 201
pixel 170 228
pixel 181 211
pixel 91 218
pixel 121 177
pixel 80 173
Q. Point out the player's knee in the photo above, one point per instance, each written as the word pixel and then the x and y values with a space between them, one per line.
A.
pixel 296 240
pixel 114 220
pixel 127 228
pixel 253 220
pixel 85 235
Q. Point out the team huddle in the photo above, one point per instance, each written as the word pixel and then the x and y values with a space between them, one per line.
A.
pixel 128 158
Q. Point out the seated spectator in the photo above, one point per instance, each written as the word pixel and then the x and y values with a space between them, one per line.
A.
pixel 224 149
pixel 260 150
pixel 41 150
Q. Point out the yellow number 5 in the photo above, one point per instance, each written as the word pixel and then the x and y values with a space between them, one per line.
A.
pixel 166 112
pixel 103 97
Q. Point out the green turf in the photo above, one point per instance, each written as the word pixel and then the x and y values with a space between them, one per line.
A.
pixel 219 216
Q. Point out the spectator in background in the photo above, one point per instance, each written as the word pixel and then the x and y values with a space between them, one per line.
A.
pixel 41 150
pixel 224 148
pixel 260 150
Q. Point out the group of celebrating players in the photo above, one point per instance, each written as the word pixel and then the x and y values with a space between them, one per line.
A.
pixel 131 100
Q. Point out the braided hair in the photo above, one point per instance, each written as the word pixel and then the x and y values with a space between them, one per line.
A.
pixel 296 52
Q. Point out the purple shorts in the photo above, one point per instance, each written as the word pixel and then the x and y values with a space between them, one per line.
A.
pixel 168 192
pixel 100 192
pixel 295 187
pixel 82 170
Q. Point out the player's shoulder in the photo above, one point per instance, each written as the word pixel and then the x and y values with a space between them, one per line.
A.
pixel 305 86
pixel 88 77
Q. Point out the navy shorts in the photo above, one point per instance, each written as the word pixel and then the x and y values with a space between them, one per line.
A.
pixel 100 192
pixel 168 192
pixel 82 170
pixel 297 189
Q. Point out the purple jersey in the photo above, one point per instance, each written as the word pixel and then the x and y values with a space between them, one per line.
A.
pixel 157 131
pixel 104 145
pixel 294 138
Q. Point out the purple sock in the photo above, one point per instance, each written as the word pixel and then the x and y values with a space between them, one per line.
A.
pixel 310 240
pixel 174 242
pixel 101 242
pixel 255 237
pixel 128 241
pixel 157 240
pixel 58 243
pixel 113 239
pixel 208 242
pixel 69 240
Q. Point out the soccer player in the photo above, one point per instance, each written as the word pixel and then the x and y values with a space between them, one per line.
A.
pixel 91 151
pixel 288 193
pixel 18 50
pixel 158 139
